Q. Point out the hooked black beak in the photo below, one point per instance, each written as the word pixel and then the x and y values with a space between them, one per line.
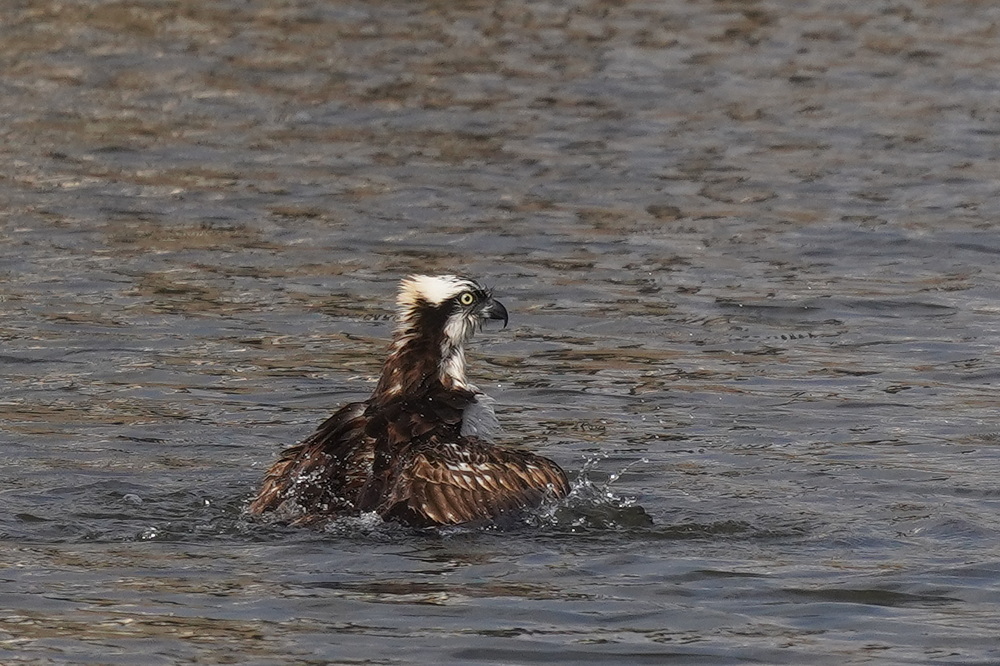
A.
pixel 494 309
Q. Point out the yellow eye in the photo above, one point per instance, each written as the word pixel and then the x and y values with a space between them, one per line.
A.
pixel 466 298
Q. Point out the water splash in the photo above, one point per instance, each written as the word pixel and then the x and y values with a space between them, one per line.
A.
pixel 590 505
pixel 593 505
pixel 367 525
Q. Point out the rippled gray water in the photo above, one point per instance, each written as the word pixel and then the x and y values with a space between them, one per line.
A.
pixel 750 253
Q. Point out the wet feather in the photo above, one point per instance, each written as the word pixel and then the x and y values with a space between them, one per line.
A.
pixel 412 451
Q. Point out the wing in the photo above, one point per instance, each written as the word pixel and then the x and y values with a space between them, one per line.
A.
pixel 433 411
pixel 400 425
pixel 469 481
pixel 321 477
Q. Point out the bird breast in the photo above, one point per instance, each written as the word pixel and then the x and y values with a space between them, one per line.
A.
pixel 479 419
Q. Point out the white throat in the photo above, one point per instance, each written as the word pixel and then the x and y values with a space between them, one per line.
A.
pixel 453 365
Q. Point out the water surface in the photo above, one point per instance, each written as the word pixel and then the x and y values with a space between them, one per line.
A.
pixel 750 255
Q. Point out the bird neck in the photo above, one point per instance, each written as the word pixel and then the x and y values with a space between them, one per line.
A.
pixel 419 358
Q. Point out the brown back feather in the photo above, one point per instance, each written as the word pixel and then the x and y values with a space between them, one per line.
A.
pixel 468 481
pixel 323 473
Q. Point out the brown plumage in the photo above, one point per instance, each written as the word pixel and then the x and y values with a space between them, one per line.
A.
pixel 417 451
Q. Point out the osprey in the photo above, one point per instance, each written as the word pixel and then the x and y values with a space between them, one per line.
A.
pixel 418 451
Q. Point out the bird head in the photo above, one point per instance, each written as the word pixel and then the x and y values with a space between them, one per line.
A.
pixel 455 305
pixel 437 315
